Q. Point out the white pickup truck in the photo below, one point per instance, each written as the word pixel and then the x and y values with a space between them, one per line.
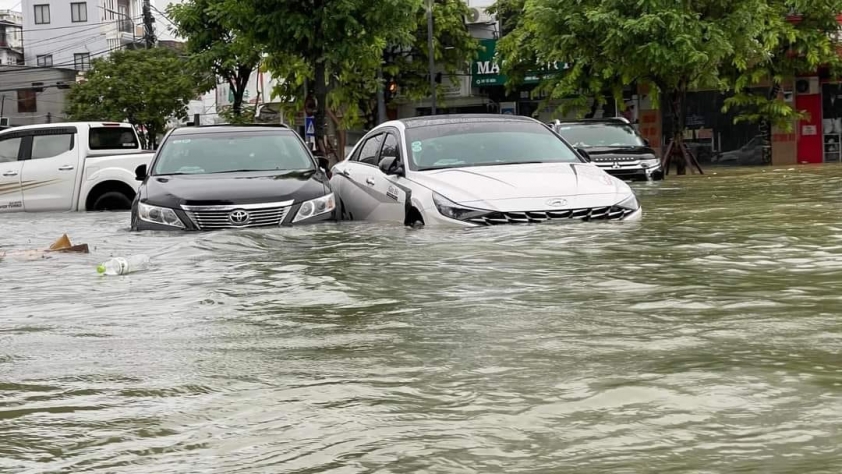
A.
pixel 82 166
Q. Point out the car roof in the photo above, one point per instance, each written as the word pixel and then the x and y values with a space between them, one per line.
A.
pixel 228 128
pixel 429 120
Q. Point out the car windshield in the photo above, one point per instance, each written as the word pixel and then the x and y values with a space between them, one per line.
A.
pixel 597 135
pixel 464 144
pixel 231 152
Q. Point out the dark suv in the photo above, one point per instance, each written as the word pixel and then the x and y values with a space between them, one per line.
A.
pixel 222 177
pixel 613 145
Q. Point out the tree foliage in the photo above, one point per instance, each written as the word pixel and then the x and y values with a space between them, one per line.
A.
pixel 453 47
pixel 336 44
pixel 144 87
pixel 808 40
pixel 215 46
pixel 673 46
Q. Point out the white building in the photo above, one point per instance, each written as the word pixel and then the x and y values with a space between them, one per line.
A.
pixel 70 33
pixel 11 37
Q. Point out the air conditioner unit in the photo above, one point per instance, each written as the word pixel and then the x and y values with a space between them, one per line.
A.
pixel 807 86
pixel 4 121
pixel 478 16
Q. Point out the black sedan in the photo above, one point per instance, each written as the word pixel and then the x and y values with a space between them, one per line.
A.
pixel 223 177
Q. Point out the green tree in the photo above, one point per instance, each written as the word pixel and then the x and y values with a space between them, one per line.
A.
pixel 144 87
pixel 216 48
pixel 453 47
pixel 807 41
pixel 336 44
pixel 671 46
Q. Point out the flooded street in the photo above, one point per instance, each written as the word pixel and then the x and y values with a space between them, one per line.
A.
pixel 704 338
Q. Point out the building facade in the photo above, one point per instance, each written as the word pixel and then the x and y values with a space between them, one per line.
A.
pixel 11 37
pixel 70 33
pixel 33 95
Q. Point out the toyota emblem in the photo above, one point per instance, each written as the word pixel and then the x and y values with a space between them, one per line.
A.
pixel 238 217
pixel 557 202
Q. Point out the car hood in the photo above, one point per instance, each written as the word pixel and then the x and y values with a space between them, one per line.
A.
pixel 233 188
pixel 528 186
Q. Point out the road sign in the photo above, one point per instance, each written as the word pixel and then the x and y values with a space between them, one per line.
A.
pixel 310 127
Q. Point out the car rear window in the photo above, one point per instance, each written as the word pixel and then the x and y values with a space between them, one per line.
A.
pixel 112 138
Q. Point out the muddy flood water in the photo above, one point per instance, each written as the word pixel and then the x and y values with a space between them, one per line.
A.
pixel 704 338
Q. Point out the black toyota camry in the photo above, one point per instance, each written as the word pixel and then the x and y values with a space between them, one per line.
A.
pixel 222 177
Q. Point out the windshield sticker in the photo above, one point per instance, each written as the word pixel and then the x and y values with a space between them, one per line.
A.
pixel 179 142
pixel 416 147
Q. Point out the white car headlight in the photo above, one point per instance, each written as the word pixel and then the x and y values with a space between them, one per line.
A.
pixel 158 215
pixel 651 163
pixel 629 203
pixel 315 207
pixel 450 209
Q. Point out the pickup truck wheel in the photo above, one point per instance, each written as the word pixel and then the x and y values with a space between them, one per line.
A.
pixel 112 201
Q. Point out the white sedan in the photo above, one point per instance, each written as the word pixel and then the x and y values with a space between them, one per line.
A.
pixel 474 170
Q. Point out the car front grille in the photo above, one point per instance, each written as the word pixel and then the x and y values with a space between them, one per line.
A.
pixel 613 213
pixel 231 216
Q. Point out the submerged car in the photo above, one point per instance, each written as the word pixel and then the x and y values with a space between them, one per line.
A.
pixel 224 177
pixel 474 170
pixel 613 145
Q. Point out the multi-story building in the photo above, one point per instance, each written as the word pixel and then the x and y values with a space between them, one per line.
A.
pixel 70 33
pixel 11 37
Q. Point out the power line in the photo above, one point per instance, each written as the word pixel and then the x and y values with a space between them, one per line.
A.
pixel 53 38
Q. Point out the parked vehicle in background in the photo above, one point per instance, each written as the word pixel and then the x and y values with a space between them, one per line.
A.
pixel 82 166
pixel 613 145
pixel 474 170
pixel 749 154
pixel 231 176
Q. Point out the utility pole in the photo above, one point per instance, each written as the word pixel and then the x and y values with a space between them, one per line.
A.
pixel 431 53
pixel 148 28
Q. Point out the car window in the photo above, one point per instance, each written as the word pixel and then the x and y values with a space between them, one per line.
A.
pixel 9 148
pixel 232 152
pixel 390 147
pixel 112 138
pixel 48 146
pixel 368 152
pixel 463 144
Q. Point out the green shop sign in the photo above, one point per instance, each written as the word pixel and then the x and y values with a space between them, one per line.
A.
pixel 485 71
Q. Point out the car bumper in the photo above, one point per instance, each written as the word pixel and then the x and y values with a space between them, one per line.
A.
pixel 635 174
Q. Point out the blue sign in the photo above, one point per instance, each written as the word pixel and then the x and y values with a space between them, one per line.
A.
pixel 309 126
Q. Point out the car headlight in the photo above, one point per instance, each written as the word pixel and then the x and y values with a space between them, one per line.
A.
pixel 629 203
pixel 315 207
pixel 450 209
pixel 651 163
pixel 158 215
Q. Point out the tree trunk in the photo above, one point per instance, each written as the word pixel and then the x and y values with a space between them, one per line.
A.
pixel 677 104
pixel 766 127
pixel 319 120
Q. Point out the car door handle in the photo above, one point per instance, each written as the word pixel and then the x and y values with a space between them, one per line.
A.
pixel 369 181
pixel 10 173
pixel 65 168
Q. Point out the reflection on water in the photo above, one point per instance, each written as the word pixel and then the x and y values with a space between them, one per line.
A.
pixel 703 338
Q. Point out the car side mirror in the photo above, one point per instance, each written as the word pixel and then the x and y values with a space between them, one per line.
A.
pixel 140 173
pixel 584 154
pixel 323 162
pixel 646 142
pixel 390 165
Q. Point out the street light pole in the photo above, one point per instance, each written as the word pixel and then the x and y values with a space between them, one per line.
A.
pixel 431 54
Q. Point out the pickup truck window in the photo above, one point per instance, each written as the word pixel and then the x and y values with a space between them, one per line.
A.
pixel 112 138
pixel 48 146
pixel 9 148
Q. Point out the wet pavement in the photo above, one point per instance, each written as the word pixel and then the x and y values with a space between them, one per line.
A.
pixel 704 338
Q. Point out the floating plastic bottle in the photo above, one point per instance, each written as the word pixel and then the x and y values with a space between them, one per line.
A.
pixel 123 266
